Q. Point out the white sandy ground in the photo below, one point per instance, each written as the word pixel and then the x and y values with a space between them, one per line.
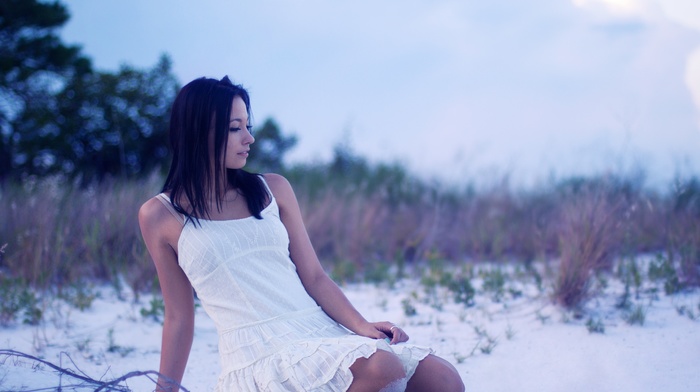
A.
pixel 534 345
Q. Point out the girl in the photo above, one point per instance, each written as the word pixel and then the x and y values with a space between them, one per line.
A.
pixel 238 240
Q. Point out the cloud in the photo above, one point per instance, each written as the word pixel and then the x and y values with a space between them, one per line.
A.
pixel 687 13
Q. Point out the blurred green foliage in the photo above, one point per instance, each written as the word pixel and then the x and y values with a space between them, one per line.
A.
pixel 60 116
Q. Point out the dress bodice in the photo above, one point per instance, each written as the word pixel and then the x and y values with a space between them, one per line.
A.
pixel 241 269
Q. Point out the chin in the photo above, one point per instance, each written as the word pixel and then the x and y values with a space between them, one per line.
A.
pixel 235 167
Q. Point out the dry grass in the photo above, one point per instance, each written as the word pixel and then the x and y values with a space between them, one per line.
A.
pixel 589 235
pixel 58 233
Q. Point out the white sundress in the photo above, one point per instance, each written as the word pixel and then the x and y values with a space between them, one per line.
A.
pixel 272 334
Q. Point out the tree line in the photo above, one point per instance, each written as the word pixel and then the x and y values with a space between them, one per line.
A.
pixel 61 116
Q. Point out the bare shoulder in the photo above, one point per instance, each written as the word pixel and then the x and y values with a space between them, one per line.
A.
pixel 156 221
pixel 280 187
pixel 152 213
pixel 159 227
pixel 281 190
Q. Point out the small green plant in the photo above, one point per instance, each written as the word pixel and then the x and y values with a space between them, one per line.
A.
pixel 490 344
pixel 487 348
pixel 436 262
pixel 378 272
pixel 83 345
pixel 30 304
pixel 462 315
pixel 595 325
pixel 8 305
pixel 662 269
pixel 628 271
pixel 510 332
pixel 79 295
pixel 463 291
pixel 408 308
pixel 113 347
pixel 537 277
pixel 432 280
pixel 672 285
pixel 343 271
pixel 434 301
pixel 637 316
pixel 544 318
pixel 624 302
pixel 429 283
pixel 494 283
pixel 566 317
pixel 515 293
pixel 156 309
pixel 686 311
pixel 16 298
pixel 480 331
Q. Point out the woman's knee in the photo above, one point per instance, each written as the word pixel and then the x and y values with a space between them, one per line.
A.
pixel 452 382
pixel 377 371
pixel 435 374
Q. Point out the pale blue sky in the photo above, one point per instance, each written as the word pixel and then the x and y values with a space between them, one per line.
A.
pixel 461 90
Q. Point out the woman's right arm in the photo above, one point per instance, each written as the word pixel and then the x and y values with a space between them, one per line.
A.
pixel 160 231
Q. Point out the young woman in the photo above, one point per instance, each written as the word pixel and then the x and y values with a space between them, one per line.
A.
pixel 238 240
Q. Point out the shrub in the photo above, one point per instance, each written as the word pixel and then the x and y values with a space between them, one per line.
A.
pixel 587 234
pixel 463 291
pixel 494 283
pixel 637 316
pixel 408 308
pixel 662 269
pixel 79 295
pixel 595 325
pixel 156 309
pixel 17 299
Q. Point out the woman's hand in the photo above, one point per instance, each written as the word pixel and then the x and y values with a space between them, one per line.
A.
pixel 383 330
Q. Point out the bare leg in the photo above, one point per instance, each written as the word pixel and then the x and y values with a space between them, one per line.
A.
pixel 435 374
pixel 376 372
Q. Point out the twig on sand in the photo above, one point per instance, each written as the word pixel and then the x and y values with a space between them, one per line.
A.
pixel 100 386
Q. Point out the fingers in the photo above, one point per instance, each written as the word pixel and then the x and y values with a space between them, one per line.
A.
pixel 393 332
pixel 398 335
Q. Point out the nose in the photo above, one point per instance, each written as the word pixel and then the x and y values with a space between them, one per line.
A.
pixel 250 139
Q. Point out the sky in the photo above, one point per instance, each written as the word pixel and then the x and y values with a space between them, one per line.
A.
pixel 459 91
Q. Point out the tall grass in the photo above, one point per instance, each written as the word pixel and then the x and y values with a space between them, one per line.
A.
pixel 58 234
pixel 589 231
pixel 361 216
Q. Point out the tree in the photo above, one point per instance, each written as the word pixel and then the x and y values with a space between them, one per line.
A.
pixel 59 116
pixel 34 65
pixel 111 124
pixel 270 146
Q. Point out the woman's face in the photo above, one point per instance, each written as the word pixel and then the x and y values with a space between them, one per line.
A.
pixel 239 137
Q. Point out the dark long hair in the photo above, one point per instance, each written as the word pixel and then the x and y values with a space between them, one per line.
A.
pixel 193 173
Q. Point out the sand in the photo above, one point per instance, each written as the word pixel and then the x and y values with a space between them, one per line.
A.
pixel 519 341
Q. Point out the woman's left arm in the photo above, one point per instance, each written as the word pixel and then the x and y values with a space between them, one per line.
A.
pixel 322 289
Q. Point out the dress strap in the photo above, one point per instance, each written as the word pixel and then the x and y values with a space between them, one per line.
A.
pixel 262 178
pixel 169 205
